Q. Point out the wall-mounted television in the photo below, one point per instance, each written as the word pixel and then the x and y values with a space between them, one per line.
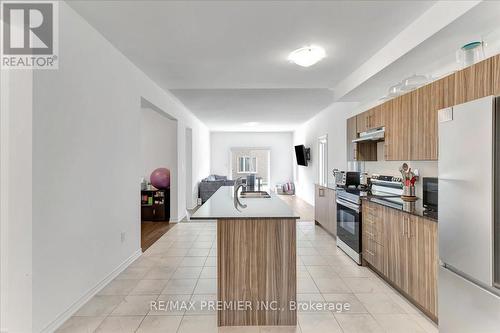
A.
pixel 302 154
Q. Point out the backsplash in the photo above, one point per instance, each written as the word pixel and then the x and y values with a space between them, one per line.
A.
pixel 391 168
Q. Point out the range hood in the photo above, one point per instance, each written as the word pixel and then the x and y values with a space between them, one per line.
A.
pixel 376 134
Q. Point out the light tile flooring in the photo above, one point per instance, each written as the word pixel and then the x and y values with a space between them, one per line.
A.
pixel 182 266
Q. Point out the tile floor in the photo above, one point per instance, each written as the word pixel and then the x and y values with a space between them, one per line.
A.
pixel 182 266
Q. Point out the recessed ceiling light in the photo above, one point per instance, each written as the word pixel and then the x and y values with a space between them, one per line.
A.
pixel 251 123
pixel 307 56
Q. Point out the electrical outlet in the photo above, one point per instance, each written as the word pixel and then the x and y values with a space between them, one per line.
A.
pixel 198 201
pixel 122 235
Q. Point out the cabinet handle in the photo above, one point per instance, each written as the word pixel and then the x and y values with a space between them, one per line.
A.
pixel 404 226
pixel 408 233
pixel 321 192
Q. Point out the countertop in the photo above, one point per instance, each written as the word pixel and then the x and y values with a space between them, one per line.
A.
pixel 221 206
pixel 331 186
pixel 413 208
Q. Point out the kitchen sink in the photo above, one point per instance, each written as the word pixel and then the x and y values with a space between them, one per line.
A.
pixel 255 194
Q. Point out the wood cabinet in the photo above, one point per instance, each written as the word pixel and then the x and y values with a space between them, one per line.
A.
pixel 325 208
pixel 423 259
pixel 496 75
pixel 473 82
pixel 351 134
pixel 331 224
pixel 155 205
pixel 397 129
pixel 377 116
pixel 373 238
pixel 362 120
pixel 370 119
pixel 366 151
pixel 410 120
pixel 397 249
pixel 403 248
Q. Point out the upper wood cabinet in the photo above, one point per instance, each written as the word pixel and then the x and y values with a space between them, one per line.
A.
pixel 473 82
pixel 370 119
pixel 496 75
pixel 397 128
pixel 362 122
pixel 411 120
pixel 377 116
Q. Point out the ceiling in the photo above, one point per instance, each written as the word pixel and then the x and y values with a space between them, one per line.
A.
pixel 436 56
pixel 273 109
pixel 226 61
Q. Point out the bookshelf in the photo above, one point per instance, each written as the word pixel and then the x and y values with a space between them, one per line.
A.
pixel 155 205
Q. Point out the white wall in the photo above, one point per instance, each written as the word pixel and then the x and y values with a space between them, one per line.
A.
pixel 87 167
pixel 332 121
pixel 16 144
pixel 159 150
pixel 280 144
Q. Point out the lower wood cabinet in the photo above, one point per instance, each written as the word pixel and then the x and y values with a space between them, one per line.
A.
pixel 325 208
pixel 403 248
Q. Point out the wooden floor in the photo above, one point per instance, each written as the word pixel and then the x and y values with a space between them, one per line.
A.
pixel 299 206
pixel 152 231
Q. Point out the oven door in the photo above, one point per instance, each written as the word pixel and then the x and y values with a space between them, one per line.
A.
pixel 348 224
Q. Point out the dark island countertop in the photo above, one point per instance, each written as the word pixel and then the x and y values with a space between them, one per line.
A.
pixel 414 208
pixel 221 206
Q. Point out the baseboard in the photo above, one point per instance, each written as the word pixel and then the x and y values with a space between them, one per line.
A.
pixel 178 219
pixel 91 293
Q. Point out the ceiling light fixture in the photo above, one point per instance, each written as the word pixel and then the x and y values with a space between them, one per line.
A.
pixel 307 56
pixel 251 123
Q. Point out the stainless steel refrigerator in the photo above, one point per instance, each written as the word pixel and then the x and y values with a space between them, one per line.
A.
pixel 469 217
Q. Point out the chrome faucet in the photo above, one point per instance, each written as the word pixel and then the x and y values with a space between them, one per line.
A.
pixel 237 184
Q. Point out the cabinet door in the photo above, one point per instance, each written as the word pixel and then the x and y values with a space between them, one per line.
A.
pixel 362 121
pixel 351 135
pixel 397 128
pixel 376 117
pixel 473 82
pixel 332 212
pixel 496 75
pixel 320 205
pixel 422 262
pixel 396 249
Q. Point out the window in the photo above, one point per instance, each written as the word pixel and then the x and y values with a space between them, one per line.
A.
pixel 247 164
pixel 323 160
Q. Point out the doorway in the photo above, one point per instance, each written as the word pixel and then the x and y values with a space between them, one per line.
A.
pixel 158 150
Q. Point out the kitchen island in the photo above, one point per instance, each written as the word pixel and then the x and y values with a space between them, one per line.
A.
pixel 256 259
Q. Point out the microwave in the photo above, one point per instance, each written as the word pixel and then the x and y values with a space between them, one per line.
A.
pixel 430 193
pixel 347 178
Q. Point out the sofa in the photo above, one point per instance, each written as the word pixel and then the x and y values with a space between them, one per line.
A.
pixel 212 183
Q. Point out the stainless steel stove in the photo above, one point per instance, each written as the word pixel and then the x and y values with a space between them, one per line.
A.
pixel 387 189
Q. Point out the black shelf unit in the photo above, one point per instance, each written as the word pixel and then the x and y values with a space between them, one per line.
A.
pixel 155 205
